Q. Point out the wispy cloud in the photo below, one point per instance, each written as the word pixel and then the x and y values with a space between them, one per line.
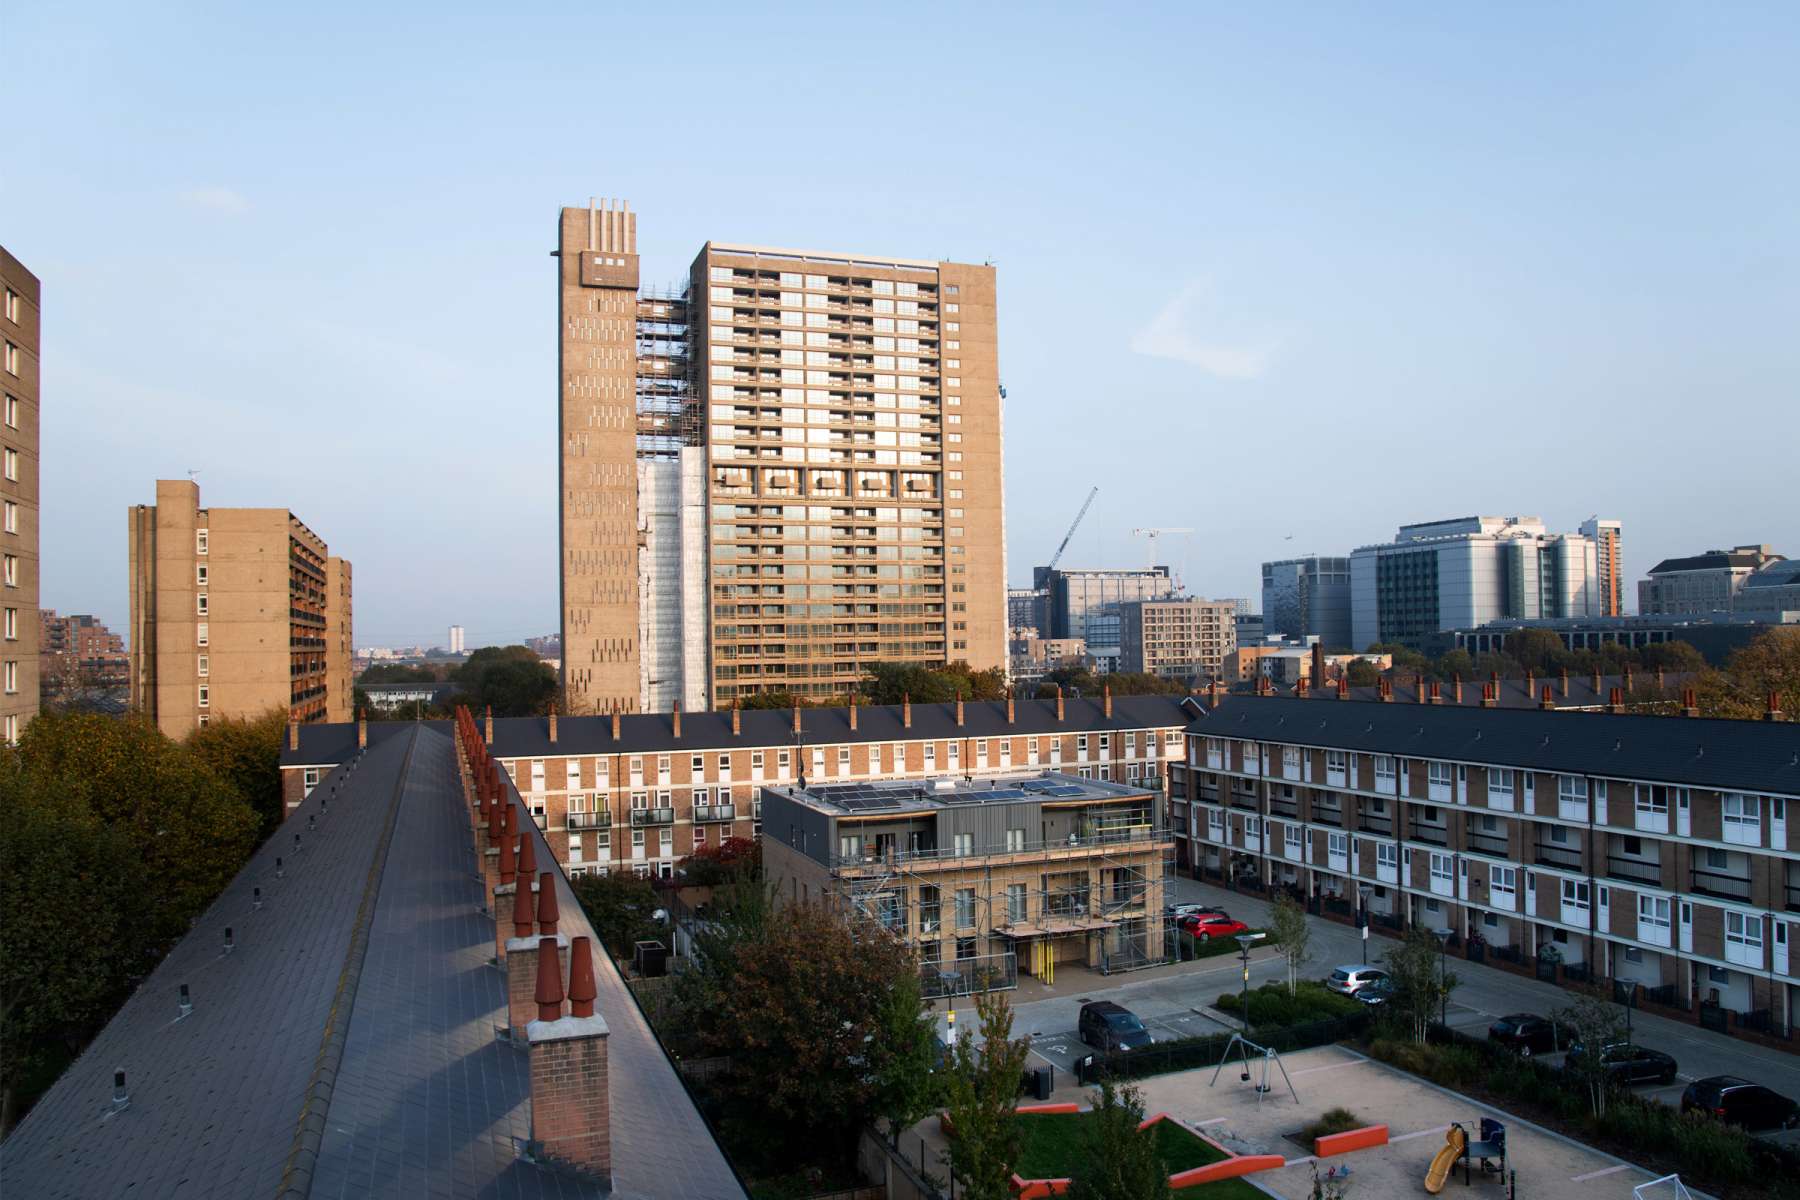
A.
pixel 216 199
pixel 1194 328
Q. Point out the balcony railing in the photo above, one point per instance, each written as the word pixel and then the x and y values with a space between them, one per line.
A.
pixel 715 812
pixel 1558 856
pixel 1384 826
pixel 641 817
pixel 1431 835
pixel 1284 808
pixel 1793 897
pixel 1717 883
pixel 590 820
pixel 1488 843
pixel 1632 870
pixel 1328 816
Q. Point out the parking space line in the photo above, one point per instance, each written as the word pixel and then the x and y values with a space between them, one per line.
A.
pixel 1602 1171
pixel 1417 1133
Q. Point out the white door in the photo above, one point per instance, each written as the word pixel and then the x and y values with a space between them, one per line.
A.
pixel 1687 928
pixel 1462 879
pixel 1781 947
pixel 1530 894
pixel 1683 817
pixel 1778 822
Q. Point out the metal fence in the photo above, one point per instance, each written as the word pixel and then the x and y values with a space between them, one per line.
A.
pixel 966 976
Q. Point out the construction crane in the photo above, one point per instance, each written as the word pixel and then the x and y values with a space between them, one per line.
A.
pixel 1153 534
pixel 1057 557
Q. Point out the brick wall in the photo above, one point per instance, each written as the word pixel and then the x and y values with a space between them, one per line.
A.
pixel 570 1120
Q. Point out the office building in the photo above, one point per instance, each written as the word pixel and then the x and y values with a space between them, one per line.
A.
pixel 234 612
pixel 1308 596
pixel 1772 594
pixel 1250 628
pixel 776 476
pixel 1701 583
pixel 1073 595
pixel 1609 562
pixel 456 639
pixel 1027 613
pixel 1715 635
pixel 20 330
pixel 1652 850
pixel 986 878
pixel 1177 639
pixel 1465 572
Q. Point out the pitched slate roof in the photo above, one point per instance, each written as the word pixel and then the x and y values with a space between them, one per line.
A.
pixel 346 1045
pixel 652 733
pixel 1749 756
pixel 1513 693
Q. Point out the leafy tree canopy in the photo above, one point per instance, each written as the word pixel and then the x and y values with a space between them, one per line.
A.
pixel 513 680
pixel 889 683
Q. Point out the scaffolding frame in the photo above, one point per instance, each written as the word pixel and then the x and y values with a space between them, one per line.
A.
pixel 670 414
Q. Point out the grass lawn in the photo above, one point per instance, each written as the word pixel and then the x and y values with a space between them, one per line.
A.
pixel 1051 1145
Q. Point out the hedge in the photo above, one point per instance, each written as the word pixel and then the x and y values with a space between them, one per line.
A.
pixel 1185 1054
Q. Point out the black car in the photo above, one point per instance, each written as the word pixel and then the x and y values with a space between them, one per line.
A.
pixel 1375 992
pixel 1109 1026
pixel 1740 1102
pixel 1526 1034
pixel 1627 1063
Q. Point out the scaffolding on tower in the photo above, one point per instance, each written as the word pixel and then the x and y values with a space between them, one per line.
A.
pixel 668 406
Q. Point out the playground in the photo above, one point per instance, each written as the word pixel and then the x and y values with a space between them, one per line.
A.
pixel 1427 1128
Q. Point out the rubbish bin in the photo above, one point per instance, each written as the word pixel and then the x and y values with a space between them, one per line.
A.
pixel 1084 1070
pixel 1043 1082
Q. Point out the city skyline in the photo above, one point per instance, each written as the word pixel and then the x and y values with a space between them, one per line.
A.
pixel 1332 183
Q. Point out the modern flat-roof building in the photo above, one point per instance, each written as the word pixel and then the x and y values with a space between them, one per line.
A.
pixel 1073 595
pixel 1608 536
pixel 20 329
pixel 775 476
pixel 985 877
pixel 234 611
pixel 1701 583
pixel 1177 639
pixel 1653 850
pixel 1465 572
pixel 1772 594
pixel 1308 596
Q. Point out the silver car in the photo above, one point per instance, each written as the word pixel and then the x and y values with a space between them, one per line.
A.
pixel 1349 980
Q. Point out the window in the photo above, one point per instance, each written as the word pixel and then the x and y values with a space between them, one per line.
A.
pixel 12 677
pixel 12 624
pixel 1503 883
pixel 200 604
pixel 756 762
pixel 9 358
pixel 1015 902
pixel 1575 895
pixel 1653 919
pixel 1653 807
pixel 1337 844
pixel 1572 797
pixel 1437 774
pixel 1440 871
pixel 12 306
pixel 200 541
pixel 1742 818
pixel 1015 841
pixel 1384 770
pixel 12 412
pixel 1387 855
pixel 12 517
pixel 12 570
pixel 1290 760
pixel 696 767
pixel 965 844
pixel 12 464
pixel 203 666
pixel 965 908
pixel 309 779
pixel 205 693
pixel 1500 782
pixel 200 574
pixel 1336 763
pixel 200 634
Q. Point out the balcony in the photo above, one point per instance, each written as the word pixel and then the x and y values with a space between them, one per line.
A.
pixel 1381 826
pixel 1717 883
pixel 1431 835
pixel 641 817
pixel 1492 844
pixel 590 820
pixel 1284 808
pixel 1328 816
pixel 1633 870
pixel 1546 855
pixel 715 812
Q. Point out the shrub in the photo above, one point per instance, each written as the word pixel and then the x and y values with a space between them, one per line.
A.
pixel 1336 1120
pixel 1273 1004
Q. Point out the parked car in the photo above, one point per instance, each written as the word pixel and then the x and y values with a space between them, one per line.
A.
pixel 1177 911
pixel 1527 1034
pixel 1207 926
pixel 1349 980
pixel 1627 1063
pixel 1740 1102
pixel 1376 991
pixel 1108 1026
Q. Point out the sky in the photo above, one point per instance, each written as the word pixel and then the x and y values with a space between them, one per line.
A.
pixel 1289 276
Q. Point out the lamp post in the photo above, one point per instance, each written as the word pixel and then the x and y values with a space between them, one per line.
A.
pixel 1443 937
pixel 1363 892
pixel 1245 941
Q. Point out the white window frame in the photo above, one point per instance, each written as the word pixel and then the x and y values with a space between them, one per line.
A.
pixel 1576 896
pixel 1740 818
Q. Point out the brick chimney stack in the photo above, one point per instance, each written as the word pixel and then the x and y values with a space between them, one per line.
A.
pixel 509 862
pixel 1690 703
pixel 1565 682
pixel 1300 687
pixel 1456 686
pixel 1437 692
pixel 1010 713
pixel 1530 681
pixel 1318 662
pixel 1548 702
pixel 1343 687
pixel 553 722
pixel 1105 701
pixel 487 728
pixel 1615 700
pixel 1059 702
pixel 737 720
pixel 293 734
pixel 1385 688
pixel 362 730
pixel 1660 680
pixel 570 1107
pixel 615 720
pixel 796 718
pixel 547 913
pixel 906 710
pixel 959 710
pixel 852 712
pixel 1419 684
pixel 1490 694
pixel 1774 713
pixel 675 719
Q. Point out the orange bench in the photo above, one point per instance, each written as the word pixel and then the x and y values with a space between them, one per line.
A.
pixel 1350 1139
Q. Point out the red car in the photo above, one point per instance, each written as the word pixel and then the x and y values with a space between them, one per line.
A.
pixel 1207 926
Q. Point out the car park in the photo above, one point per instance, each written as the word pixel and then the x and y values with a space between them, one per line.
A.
pixel 1109 1026
pixel 1527 1034
pixel 1351 979
pixel 1739 1102
pixel 1626 1063
pixel 1207 926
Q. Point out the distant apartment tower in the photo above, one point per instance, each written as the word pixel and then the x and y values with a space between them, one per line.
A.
pixel 20 329
pixel 775 476
pixel 234 611
pixel 1609 562
pixel 1467 571
pixel 1306 596
pixel 79 651
pixel 456 639
pixel 1073 595
pixel 1177 639
pixel 1701 583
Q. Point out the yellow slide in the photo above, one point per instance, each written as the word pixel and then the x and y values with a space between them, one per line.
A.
pixel 1454 1143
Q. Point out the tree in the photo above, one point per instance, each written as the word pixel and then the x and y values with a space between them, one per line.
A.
pixel 1536 650
pixel 1421 986
pixel 1674 657
pixel 1593 1024
pixel 1360 672
pixel 890 682
pixel 619 907
pixel 1452 664
pixel 782 699
pixel 715 864
pixel 246 754
pixel 513 680
pixel 1769 663
pixel 1290 929
pixel 981 1090
pixel 905 1052
pixel 1122 1160
pixel 738 915
pixel 405 673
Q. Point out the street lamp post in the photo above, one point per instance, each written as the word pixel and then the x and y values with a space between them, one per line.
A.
pixel 1443 936
pixel 1245 941
pixel 1364 891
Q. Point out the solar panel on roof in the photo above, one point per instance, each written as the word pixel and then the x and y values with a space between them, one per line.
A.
pixel 1066 791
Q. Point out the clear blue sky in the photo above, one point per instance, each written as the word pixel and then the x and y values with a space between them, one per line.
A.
pixel 1265 270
